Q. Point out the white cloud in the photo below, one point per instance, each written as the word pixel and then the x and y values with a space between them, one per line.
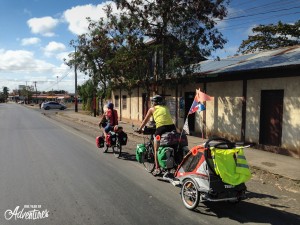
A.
pixel 43 26
pixel 21 67
pixel 76 16
pixel 54 47
pixel 22 61
pixel 63 55
pixel 30 41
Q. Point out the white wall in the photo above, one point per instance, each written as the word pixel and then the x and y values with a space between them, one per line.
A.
pixel 291 109
pixel 224 114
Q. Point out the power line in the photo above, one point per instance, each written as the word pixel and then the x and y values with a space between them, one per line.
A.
pixel 256 14
pixel 244 3
pixel 263 6
pixel 238 26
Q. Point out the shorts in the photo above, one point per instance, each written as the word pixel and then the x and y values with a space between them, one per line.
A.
pixel 163 129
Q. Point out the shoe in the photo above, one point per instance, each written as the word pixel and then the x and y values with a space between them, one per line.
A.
pixel 156 172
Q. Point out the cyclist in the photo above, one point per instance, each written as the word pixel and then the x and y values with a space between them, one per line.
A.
pixel 109 119
pixel 163 120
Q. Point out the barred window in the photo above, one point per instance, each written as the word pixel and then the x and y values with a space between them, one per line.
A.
pixel 117 101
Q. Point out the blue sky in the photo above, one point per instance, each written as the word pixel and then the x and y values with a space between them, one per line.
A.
pixel 35 35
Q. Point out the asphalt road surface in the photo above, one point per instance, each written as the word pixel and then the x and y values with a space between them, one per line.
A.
pixel 51 173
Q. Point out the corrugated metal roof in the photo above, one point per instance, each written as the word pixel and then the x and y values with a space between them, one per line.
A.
pixel 275 58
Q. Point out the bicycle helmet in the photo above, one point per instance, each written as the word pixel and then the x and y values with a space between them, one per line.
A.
pixel 110 105
pixel 157 99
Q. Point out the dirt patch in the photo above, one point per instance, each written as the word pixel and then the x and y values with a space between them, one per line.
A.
pixel 280 182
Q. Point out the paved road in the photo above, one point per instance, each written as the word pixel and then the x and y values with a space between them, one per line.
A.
pixel 54 169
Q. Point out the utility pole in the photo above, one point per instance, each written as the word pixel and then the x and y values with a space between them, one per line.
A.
pixel 26 88
pixel 35 92
pixel 57 83
pixel 75 66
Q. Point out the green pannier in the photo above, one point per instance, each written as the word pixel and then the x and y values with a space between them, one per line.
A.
pixel 165 156
pixel 139 152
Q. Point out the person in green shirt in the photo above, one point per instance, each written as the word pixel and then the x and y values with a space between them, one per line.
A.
pixel 163 121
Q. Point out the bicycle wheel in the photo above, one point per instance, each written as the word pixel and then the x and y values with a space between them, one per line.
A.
pixel 148 159
pixel 189 194
pixel 117 149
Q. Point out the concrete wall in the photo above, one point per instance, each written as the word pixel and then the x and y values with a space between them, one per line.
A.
pixel 291 110
pixel 224 114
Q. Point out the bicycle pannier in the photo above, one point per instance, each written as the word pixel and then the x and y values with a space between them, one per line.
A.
pixel 165 156
pixel 123 138
pixel 100 141
pixel 140 152
pixel 111 139
pixel 173 138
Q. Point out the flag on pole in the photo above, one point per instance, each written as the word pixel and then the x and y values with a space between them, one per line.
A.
pixel 197 105
pixel 202 97
pixel 186 126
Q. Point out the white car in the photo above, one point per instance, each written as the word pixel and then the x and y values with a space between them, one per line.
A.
pixel 53 105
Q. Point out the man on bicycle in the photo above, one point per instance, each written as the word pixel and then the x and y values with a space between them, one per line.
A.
pixel 163 120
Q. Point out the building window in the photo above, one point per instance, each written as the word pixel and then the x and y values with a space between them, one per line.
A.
pixel 124 102
pixel 117 101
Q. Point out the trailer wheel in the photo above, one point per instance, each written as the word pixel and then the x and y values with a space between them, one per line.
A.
pixel 189 194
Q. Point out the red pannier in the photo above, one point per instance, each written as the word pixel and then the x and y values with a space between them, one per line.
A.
pixel 100 141
pixel 111 139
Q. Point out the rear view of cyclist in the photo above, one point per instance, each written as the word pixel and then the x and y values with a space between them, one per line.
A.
pixel 111 118
pixel 163 120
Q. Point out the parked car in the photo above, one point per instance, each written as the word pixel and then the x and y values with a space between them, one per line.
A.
pixel 53 105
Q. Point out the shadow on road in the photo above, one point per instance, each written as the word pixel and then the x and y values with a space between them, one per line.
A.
pixel 246 212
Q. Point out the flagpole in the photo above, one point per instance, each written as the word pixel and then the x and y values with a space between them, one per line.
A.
pixel 182 131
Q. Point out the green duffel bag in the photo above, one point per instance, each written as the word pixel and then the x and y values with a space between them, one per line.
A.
pixel 139 152
pixel 165 156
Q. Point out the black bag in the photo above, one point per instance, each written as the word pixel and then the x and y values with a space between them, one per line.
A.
pixel 122 138
pixel 173 138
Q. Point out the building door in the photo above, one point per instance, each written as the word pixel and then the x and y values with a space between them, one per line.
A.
pixel 145 101
pixel 189 98
pixel 271 117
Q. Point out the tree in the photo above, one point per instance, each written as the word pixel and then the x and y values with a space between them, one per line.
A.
pixel 86 94
pixel 5 93
pixel 115 53
pixel 182 33
pixel 267 37
pixel 27 93
pixel 93 50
